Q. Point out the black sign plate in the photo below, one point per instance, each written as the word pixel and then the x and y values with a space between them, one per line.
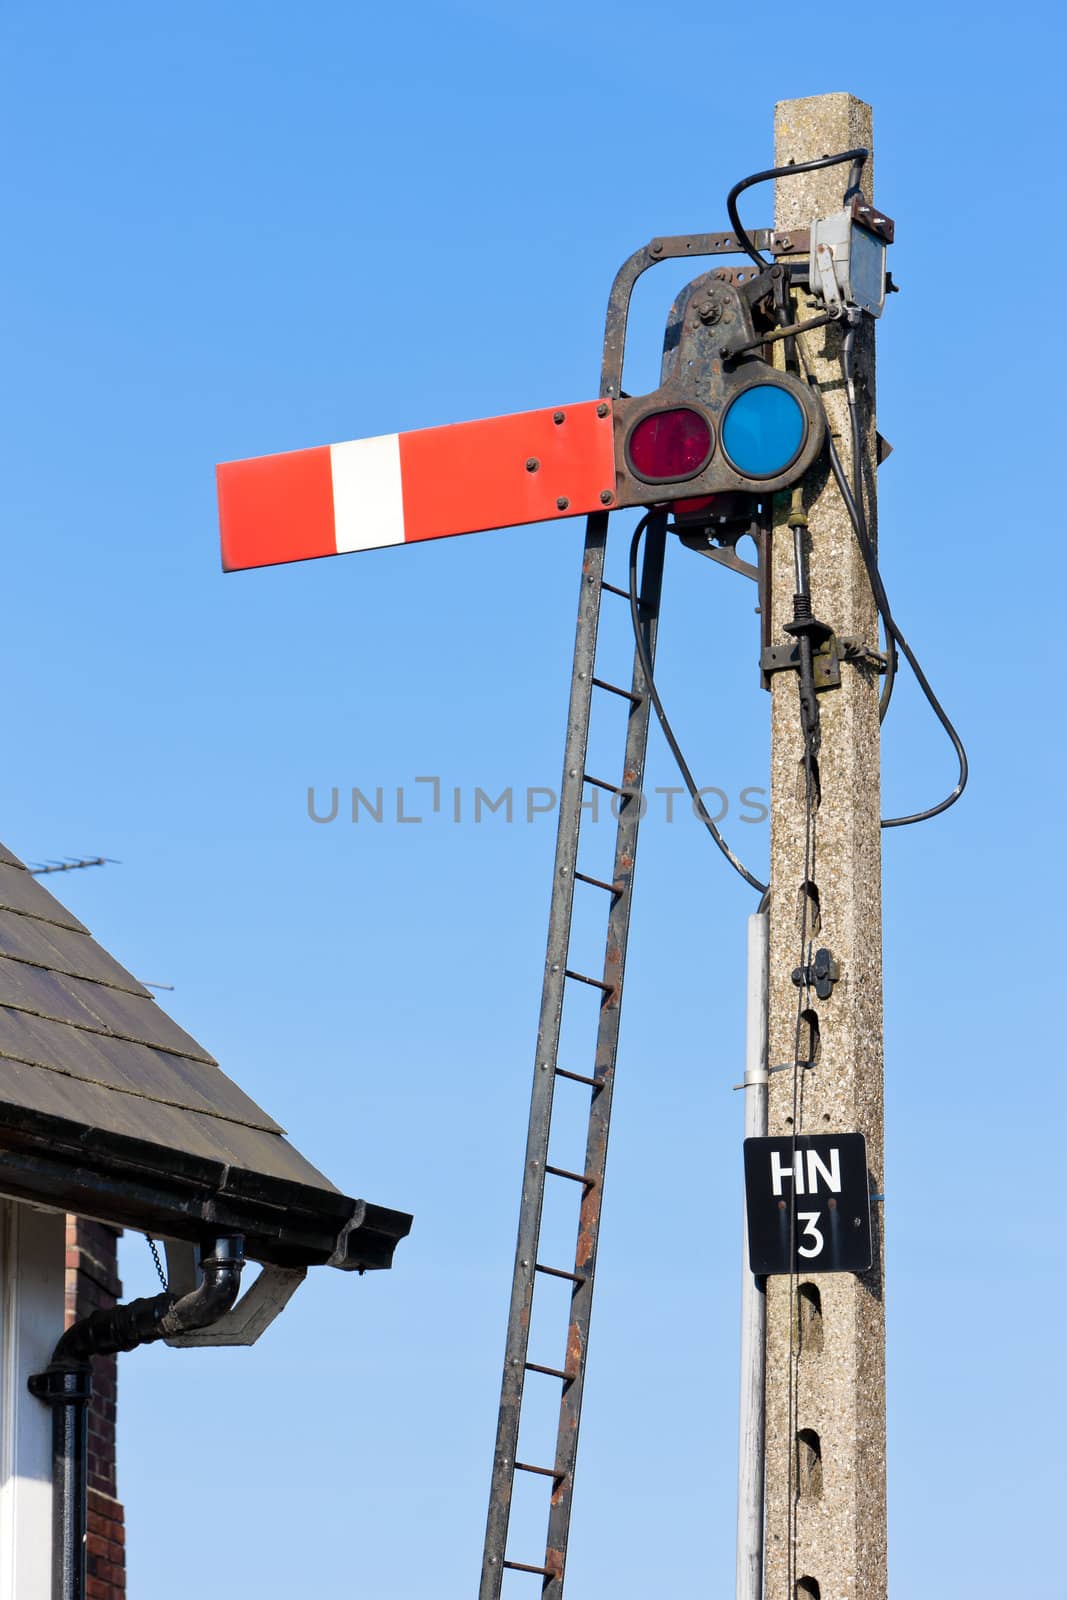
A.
pixel 814 1191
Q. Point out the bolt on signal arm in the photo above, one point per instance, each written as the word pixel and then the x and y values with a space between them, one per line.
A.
pixel 534 466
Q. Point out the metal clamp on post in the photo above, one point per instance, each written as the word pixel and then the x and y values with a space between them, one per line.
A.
pixel 821 975
pixel 825 659
pixel 828 652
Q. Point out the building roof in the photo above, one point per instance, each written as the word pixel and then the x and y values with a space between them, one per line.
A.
pixel 107 1106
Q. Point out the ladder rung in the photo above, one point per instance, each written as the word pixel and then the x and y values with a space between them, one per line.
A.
pixel 576 1177
pixel 598 883
pixel 601 783
pixel 550 1372
pixel 578 1077
pixel 558 1272
pixel 613 588
pixel 520 1566
pixel 597 983
pixel 613 688
pixel 542 1472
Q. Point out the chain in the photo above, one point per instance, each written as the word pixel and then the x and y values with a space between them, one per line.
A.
pixel 158 1262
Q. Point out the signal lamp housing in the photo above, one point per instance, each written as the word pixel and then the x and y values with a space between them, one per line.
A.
pixel 724 421
pixel 754 430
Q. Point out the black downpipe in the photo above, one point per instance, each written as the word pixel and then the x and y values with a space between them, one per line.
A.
pixel 68 1391
pixel 67 1386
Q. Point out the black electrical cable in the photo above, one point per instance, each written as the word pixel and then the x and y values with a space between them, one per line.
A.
pixel 653 693
pixel 857 158
pixel 858 514
pixel 870 561
pixel 891 664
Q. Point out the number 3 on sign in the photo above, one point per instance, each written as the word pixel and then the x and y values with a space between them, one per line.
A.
pixel 810 1219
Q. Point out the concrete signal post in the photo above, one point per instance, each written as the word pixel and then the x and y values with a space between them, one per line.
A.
pixel 825 1529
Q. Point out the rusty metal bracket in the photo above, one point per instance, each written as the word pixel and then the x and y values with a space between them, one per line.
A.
pixel 677 247
pixel 724 552
pixel 727 556
pixel 863 655
pixel 875 221
pixel 825 662
pixel 791 242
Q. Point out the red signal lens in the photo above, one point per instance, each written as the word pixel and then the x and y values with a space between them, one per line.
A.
pixel 669 446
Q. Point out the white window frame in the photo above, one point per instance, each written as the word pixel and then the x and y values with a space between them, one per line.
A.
pixel 32 1303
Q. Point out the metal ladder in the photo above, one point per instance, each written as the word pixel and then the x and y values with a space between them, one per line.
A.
pixel 560 976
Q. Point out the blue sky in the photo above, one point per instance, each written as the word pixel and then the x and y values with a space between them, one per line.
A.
pixel 238 229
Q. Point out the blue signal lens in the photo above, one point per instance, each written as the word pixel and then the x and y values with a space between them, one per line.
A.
pixel 763 431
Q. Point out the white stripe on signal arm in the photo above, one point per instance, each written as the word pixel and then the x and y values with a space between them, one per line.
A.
pixel 368 500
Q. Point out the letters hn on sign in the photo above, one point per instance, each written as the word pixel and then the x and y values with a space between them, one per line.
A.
pixel 811 1191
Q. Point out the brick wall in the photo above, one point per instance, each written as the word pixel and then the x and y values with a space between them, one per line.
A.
pixel 91 1282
